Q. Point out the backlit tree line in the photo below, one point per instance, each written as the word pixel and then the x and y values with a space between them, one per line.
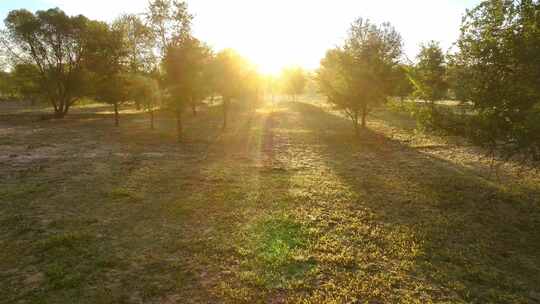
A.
pixel 154 61
pixel 494 68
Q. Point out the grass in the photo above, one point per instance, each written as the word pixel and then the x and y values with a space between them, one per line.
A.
pixel 286 206
pixel 273 253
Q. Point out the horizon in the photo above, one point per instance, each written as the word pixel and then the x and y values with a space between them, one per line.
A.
pixel 298 37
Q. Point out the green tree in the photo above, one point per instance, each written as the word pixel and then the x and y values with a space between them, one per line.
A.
pixel 25 82
pixel 499 53
pixel 139 43
pixel 294 81
pixel 458 76
pixel 358 75
pixel 7 89
pixel 106 55
pixel 115 90
pixel 56 44
pixel 170 23
pixel 145 91
pixel 231 71
pixel 403 87
pixel 430 74
pixel 184 66
pixel 204 81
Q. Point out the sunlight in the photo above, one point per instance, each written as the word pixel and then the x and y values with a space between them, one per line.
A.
pixel 270 65
pixel 271 57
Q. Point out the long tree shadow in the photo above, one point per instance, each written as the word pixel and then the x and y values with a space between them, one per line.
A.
pixel 462 237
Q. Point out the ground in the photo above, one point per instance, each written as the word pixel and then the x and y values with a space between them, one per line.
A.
pixel 286 206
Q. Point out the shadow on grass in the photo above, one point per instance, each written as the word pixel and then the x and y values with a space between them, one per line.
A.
pixel 472 237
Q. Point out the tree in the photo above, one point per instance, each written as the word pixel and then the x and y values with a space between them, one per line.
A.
pixel 211 77
pixel 403 86
pixel 499 51
pixel 184 65
pixel 25 82
pixel 56 44
pixel 115 90
pixel 271 86
pixel 458 78
pixel 294 81
pixel 7 89
pixel 357 76
pixel 230 68
pixel 170 22
pixel 253 87
pixel 430 74
pixel 145 91
pixel 138 41
pixel 106 57
pixel 204 81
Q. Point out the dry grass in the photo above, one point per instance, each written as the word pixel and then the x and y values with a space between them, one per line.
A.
pixel 287 206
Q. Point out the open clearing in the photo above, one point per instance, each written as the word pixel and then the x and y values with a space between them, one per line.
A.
pixel 287 206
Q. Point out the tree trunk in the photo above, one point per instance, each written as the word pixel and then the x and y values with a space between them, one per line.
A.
pixel 364 116
pixel 116 118
pixel 432 106
pixel 194 108
pixel 225 112
pixel 152 119
pixel 179 127
pixel 56 110
pixel 59 113
pixel 355 124
pixel 60 109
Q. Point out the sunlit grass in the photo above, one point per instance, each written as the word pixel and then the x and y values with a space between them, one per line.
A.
pixel 271 249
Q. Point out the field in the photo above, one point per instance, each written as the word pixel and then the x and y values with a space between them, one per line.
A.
pixel 286 206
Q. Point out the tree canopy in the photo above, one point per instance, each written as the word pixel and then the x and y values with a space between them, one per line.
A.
pixel 294 81
pixel 56 44
pixel 430 73
pixel 184 66
pixel 499 61
pixel 357 76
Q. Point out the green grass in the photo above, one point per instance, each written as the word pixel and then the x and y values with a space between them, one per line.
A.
pixel 272 251
pixel 286 206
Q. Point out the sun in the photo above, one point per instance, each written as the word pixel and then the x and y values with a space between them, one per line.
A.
pixel 268 62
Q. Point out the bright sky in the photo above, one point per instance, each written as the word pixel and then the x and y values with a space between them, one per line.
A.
pixel 277 33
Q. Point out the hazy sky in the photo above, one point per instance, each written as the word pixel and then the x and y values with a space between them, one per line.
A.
pixel 275 33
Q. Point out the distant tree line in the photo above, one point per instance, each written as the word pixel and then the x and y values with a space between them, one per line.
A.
pixel 151 60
